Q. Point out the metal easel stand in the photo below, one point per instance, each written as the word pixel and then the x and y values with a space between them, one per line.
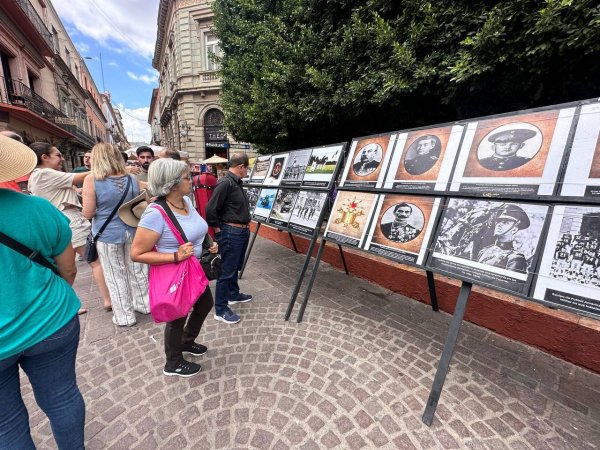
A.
pixel 343 259
pixel 444 364
pixel 432 292
pixel 313 276
pixel 293 242
pixel 301 275
pixel 249 250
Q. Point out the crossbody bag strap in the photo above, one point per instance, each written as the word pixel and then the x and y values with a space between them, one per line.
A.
pixel 114 211
pixel 163 204
pixel 27 252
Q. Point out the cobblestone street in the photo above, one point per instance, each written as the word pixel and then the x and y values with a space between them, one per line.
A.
pixel 355 373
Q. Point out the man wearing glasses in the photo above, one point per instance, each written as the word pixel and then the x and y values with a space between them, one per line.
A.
pixel 228 213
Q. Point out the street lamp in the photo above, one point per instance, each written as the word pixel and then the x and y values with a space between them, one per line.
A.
pixel 101 68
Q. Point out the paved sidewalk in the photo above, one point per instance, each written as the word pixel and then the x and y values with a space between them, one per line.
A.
pixel 355 374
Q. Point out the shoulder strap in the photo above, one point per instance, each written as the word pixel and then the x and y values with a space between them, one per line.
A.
pixel 163 204
pixel 114 211
pixel 27 252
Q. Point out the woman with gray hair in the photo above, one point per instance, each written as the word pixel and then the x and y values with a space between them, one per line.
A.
pixel 155 243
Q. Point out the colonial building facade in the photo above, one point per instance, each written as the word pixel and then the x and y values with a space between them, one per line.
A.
pixel 184 112
pixel 46 91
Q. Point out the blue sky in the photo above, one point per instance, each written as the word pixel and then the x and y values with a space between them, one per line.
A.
pixel 124 33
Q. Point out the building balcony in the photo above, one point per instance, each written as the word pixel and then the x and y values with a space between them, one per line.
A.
pixel 26 17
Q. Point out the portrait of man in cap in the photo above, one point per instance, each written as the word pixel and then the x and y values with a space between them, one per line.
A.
pixel 510 219
pixel 505 145
pixel 399 230
pixel 422 154
pixel 367 160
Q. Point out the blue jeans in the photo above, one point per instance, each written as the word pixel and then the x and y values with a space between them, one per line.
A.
pixel 233 242
pixel 50 367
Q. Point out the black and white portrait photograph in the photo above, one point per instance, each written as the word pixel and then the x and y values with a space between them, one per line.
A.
pixel 296 167
pixel 509 146
pixel 252 195
pixel 402 222
pixel 570 268
pixel 491 242
pixel 306 211
pixel 367 160
pixel 282 208
pixel 422 154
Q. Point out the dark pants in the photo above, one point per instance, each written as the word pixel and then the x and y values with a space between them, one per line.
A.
pixel 178 333
pixel 50 367
pixel 233 242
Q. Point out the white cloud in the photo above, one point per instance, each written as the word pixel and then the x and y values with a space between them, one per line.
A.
pixel 135 122
pixel 148 79
pixel 113 63
pixel 83 48
pixel 130 23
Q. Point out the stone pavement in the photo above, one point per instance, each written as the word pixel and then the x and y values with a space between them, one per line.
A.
pixel 355 374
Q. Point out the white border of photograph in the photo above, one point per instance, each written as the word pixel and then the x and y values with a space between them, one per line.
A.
pixel 260 178
pixel 443 177
pixel 582 153
pixel 257 207
pixel 323 177
pixel 384 162
pixel 429 230
pixel 268 181
pixel 548 179
pixel 368 220
pixel 544 280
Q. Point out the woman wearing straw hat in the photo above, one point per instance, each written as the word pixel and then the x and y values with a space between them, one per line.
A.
pixel 49 182
pixel 155 243
pixel 102 190
pixel 39 326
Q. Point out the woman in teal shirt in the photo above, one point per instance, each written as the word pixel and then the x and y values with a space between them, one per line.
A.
pixel 39 326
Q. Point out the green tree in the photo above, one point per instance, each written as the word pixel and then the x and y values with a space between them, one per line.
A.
pixel 298 73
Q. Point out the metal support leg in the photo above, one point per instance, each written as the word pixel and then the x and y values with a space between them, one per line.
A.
pixel 343 259
pixel 432 292
pixel 444 364
pixel 293 242
pixel 313 276
pixel 300 278
pixel 248 251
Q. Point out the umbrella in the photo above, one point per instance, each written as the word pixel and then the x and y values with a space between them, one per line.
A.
pixel 214 160
pixel 155 148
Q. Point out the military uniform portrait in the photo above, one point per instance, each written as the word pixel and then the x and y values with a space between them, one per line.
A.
pixel 422 154
pixel 510 148
pixel 367 160
pixel 402 222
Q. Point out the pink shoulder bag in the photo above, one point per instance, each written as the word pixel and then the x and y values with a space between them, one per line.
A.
pixel 175 287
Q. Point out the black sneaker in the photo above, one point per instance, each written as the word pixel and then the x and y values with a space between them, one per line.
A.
pixel 194 349
pixel 184 369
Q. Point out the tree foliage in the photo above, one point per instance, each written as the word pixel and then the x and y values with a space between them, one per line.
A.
pixel 298 73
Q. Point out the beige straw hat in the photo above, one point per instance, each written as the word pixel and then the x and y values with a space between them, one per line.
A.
pixel 16 159
pixel 132 211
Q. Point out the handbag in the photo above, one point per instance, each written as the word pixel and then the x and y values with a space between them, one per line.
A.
pixel 174 288
pixel 210 262
pixel 91 250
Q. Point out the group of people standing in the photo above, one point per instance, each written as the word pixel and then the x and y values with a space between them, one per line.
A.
pixel 39 321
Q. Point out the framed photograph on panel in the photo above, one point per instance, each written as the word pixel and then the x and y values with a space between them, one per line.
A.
pixel 516 155
pixel 582 177
pixel 402 227
pixel 251 162
pixel 275 172
pixel 296 167
pixel 321 166
pixel 423 159
pixel 350 217
pixel 489 243
pixel 264 204
pixel 569 274
pixel 305 214
pixel 283 206
pixel 368 161
pixel 252 194
pixel 261 169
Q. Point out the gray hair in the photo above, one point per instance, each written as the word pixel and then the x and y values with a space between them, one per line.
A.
pixel 164 174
